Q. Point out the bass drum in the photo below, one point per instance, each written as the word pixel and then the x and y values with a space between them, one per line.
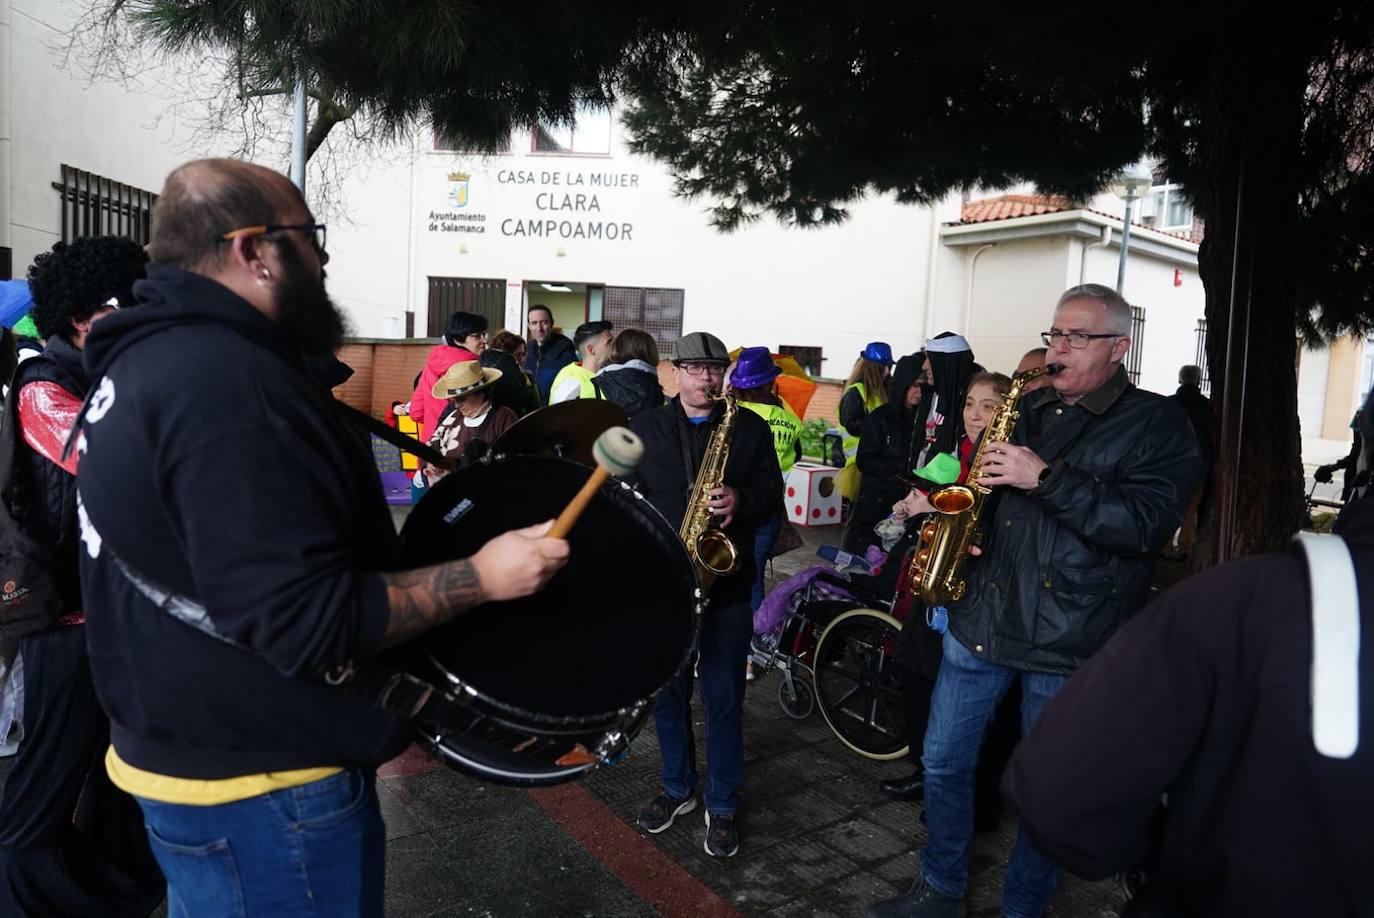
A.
pixel 543 689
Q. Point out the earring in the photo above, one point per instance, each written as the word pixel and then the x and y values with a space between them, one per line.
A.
pixel 264 276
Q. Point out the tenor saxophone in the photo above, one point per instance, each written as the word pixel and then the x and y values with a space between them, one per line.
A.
pixel 937 569
pixel 711 550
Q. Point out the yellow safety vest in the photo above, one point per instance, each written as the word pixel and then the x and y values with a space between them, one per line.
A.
pixel 583 377
pixel 786 427
pixel 848 478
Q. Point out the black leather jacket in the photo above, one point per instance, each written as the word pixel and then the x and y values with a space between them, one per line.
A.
pixel 1069 561
pixel 43 495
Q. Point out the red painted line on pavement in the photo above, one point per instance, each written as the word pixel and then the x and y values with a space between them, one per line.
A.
pixel 414 761
pixel 654 876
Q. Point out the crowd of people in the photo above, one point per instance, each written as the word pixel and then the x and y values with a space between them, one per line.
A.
pixel 219 558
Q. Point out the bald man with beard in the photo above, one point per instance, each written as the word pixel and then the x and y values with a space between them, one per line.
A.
pixel 237 548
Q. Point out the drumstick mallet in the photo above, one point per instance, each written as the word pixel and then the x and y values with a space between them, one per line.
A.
pixel 617 452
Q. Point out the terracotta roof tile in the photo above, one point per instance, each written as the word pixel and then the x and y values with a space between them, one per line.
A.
pixel 1009 206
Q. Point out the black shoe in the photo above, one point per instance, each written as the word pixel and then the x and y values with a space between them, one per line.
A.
pixel 722 838
pixel 911 787
pixel 922 902
pixel 663 809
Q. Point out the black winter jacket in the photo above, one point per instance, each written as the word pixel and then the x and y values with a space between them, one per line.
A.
pixel 633 389
pixel 512 390
pixel 218 468
pixel 43 494
pixel 751 469
pixel 1067 562
pixel 543 361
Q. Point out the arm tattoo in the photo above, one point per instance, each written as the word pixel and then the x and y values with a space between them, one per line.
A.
pixel 426 598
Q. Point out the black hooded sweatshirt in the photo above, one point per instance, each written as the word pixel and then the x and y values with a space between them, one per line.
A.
pixel 217 466
pixel 888 448
pixel 941 413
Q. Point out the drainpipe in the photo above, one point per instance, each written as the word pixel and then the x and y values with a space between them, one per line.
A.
pixel 6 243
pixel 931 260
pixel 1101 243
pixel 968 290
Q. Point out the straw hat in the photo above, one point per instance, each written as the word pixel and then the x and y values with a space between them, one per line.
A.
pixel 464 378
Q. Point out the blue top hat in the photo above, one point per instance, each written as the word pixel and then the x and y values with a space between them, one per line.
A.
pixel 878 352
pixel 754 368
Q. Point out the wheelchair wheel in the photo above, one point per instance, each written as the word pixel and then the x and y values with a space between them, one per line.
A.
pixel 800 702
pixel 857 686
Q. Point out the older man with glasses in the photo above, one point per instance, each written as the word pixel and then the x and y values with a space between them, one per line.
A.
pixel 675 440
pixel 1093 481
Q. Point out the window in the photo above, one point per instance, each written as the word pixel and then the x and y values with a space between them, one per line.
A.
pixel 1137 344
pixel 808 358
pixel 93 205
pixel 482 295
pixel 588 135
pixel 1201 359
pixel 1166 207
pixel 657 310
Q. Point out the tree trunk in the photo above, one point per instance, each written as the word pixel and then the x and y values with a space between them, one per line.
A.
pixel 1250 200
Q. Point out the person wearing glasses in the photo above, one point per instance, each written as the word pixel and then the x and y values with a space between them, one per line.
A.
pixel 237 548
pixel 675 439
pixel 1094 479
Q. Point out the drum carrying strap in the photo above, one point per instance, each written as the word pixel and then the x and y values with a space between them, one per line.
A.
pixel 393 690
pixel 1335 645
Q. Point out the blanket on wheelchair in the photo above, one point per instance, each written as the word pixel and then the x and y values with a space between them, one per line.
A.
pixel 788 595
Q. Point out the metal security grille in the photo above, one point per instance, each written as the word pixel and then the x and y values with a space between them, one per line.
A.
pixel 657 310
pixel 1201 359
pixel 93 205
pixel 808 358
pixel 1137 344
pixel 485 296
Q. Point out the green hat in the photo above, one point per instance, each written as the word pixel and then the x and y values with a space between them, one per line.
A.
pixel 943 469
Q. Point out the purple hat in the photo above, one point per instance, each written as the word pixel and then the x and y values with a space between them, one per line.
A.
pixel 754 368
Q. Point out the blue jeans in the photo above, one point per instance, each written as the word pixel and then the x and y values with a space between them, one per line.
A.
pixel 317 850
pixel 966 695
pixel 725 633
pixel 764 537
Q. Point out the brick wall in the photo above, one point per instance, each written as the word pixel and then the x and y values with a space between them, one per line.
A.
pixel 383 372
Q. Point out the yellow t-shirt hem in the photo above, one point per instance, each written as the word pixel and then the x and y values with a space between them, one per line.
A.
pixel 201 792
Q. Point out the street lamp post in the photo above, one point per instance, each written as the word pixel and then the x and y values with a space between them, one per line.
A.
pixel 1132 185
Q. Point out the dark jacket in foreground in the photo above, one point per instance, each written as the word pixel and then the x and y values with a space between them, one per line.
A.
pixel 1206 695
pixel 218 468
pixel 633 386
pixel 1069 561
pixel 751 469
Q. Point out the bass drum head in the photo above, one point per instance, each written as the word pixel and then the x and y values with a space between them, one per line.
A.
pixel 611 628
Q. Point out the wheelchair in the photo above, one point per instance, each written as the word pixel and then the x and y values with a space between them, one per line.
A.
pixel 835 651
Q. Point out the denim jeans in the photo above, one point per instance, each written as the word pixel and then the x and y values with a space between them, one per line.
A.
pixel 313 850
pixel 764 537
pixel 725 633
pixel 966 695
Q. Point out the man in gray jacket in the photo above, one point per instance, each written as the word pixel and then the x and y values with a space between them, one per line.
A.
pixel 1095 478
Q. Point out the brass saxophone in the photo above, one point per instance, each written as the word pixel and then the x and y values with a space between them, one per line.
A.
pixel 711 549
pixel 937 569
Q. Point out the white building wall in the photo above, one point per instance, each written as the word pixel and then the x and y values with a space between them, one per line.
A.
pixel 57 117
pixel 1171 311
pixel 1313 366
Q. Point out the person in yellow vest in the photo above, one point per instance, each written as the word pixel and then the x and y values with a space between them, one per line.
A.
pixel 752 382
pixel 593 343
pixel 865 390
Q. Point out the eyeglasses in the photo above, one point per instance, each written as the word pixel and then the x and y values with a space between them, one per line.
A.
pixel 1076 340
pixel 698 369
pixel 317 232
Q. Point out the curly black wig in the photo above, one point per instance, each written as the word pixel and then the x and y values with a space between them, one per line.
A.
pixel 75 279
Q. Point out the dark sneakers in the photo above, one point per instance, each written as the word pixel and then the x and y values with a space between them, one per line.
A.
pixel 922 902
pixel 722 838
pixel 662 810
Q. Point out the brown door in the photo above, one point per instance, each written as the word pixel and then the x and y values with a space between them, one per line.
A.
pixel 485 296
